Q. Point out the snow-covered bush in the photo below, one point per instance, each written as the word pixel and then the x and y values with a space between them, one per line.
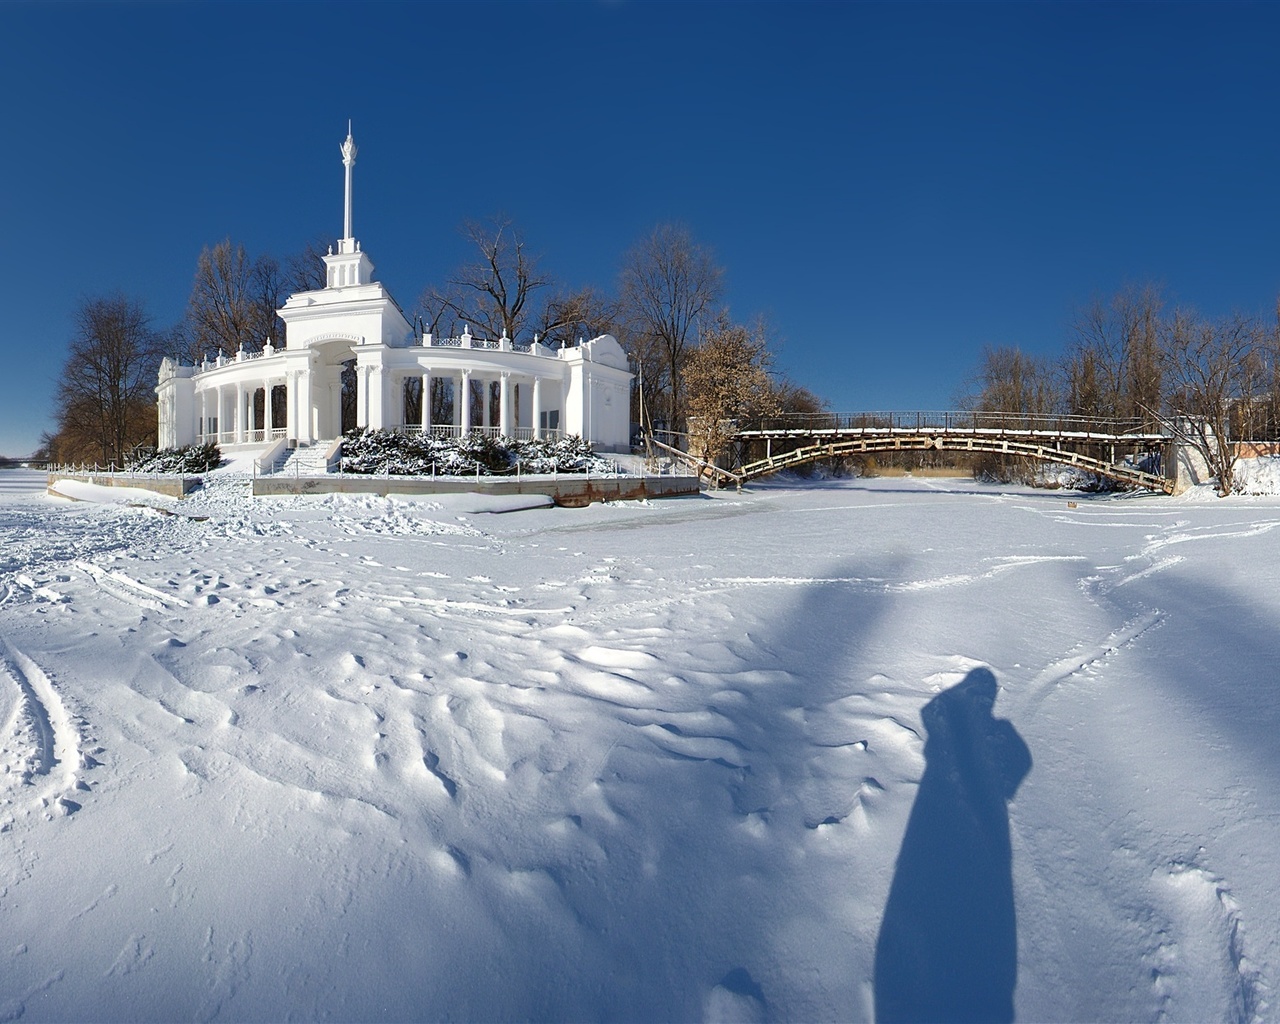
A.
pixel 396 454
pixel 1258 475
pixel 196 458
pixel 559 455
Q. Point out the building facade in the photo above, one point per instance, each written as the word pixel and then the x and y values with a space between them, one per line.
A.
pixel 492 385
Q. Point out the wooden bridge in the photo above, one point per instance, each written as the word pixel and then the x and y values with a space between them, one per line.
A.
pixel 1106 447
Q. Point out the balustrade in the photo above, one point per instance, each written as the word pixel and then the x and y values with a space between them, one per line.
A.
pixel 449 430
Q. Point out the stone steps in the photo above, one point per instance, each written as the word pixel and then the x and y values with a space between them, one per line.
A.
pixel 308 460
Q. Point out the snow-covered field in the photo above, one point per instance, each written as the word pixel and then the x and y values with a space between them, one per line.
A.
pixel 357 759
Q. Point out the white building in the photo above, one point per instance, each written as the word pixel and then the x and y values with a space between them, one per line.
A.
pixel 496 386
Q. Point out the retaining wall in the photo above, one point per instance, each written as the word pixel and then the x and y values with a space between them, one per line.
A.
pixel 172 486
pixel 570 491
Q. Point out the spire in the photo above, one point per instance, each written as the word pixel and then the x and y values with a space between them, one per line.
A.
pixel 348 266
pixel 348 161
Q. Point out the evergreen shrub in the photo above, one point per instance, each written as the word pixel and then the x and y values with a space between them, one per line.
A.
pixel 392 453
pixel 196 458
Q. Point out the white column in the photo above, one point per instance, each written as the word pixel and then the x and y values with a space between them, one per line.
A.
pixel 426 402
pixel 204 415
pixel 221 417
pixel 456 384
pixel 300 418
pixel 537 406
pixel 291 404
pixel 466 402
pixel 379 407
pixel 306 406
pixel 362 396
pixel 504 405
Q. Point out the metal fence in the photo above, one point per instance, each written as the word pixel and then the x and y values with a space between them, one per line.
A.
pixel 953 421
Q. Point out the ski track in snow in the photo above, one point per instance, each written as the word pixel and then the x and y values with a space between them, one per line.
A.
pixel 1199 966
pixel 41 741
pixel 1085 658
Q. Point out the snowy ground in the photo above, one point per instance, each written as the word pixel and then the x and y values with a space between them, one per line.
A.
pixel 351 758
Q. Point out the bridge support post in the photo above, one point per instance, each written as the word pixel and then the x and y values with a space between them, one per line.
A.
pixel 1185 466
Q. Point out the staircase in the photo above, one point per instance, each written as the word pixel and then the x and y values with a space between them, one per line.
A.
pixel 305 460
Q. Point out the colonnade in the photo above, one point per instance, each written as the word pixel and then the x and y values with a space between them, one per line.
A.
pixel 528 405
pixel 521 403
pixel 243 425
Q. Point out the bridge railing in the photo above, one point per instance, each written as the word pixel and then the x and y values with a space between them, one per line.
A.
pixel 948 420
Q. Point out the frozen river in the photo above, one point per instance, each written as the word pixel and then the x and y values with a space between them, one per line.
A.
pixel 819 752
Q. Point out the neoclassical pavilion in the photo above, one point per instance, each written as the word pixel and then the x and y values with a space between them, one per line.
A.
pixel 497 386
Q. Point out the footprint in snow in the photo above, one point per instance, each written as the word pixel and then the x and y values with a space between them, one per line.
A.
pixel 736 998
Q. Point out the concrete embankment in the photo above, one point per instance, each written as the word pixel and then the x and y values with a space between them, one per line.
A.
pixel 569 491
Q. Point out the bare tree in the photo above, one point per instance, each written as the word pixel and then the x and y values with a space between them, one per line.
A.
pixel 669 285
pixel 1211 371
pixel 1086 382
pixel 1014 384
pixel 106 398
pixel 727 380
pixel 792 397
pixel 493 291
pixel 304 270
pixel 1113 367
pixel 233 301
pixel 1267 423
pixel 570 316
pixel 1011 388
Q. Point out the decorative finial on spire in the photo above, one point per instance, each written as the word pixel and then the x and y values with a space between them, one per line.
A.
pixel 348 161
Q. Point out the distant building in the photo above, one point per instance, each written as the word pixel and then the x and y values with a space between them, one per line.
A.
pixel 492 385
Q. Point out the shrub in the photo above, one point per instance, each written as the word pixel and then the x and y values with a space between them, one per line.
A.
pixel 396 454
pixel 196 458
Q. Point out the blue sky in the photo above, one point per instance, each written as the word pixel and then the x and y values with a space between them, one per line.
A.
pixel 894 185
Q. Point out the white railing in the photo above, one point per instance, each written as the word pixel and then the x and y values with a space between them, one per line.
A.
pixel 243 356
pixel 449 430
pixel 490 344
pixel 260 436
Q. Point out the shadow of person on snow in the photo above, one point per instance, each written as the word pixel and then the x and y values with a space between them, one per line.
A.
pixel 948 949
